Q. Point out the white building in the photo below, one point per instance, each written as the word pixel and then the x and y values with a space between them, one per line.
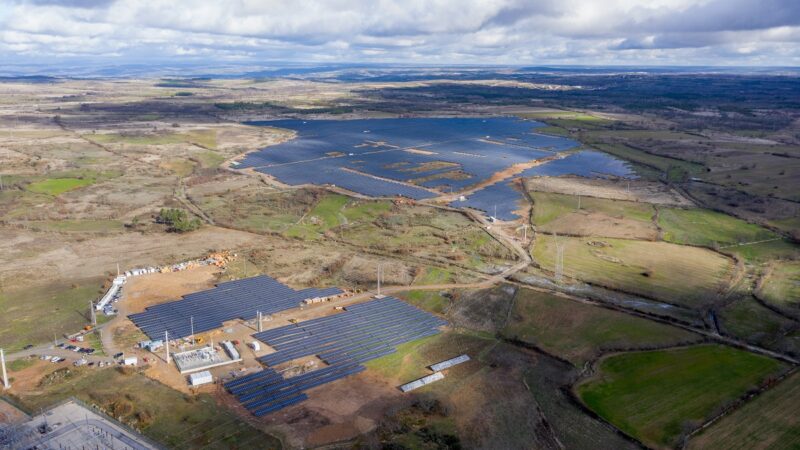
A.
pixel 200 378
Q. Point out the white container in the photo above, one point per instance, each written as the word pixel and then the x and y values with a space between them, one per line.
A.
pixel 200 378
pixel 130 361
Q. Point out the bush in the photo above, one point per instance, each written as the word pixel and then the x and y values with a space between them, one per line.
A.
pixel 177 220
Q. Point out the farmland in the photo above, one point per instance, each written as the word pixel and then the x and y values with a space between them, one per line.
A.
pixel 579 332
pixel 781 285
pixel 708 228
pixel 589 216
pixel 768 422
pixel 656 396
pixel 640 267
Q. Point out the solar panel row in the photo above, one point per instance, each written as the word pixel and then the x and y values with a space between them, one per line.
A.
pixel 344 341
pixel 207 310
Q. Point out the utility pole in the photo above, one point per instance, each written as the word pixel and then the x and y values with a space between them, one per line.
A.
pixel 166 344
pixel 191 324
pixel 579 202
pixel 117 269
pixel 258 317
pixel 380 269
pixel 91 311
pixel 6 384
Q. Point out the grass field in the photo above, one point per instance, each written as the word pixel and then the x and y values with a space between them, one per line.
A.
pixel 770 421
pixel 577 430
pixel 675 170
pixel 430 300
pixel 578 332
pixel 644 268
pixel 334 210
pixel 657 396
pixel 61 306
pixel 765 251
pixel 559 213
pixel 178 421
pixel 781 287
pixel 58 186
pixel 708 228
pixel 749 320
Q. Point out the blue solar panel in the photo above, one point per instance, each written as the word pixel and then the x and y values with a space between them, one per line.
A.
pixel 239 299
pixel 344 341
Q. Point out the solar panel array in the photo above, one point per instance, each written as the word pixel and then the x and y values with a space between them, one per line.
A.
pixel 207 310
pixel 475 147
pixel 343 341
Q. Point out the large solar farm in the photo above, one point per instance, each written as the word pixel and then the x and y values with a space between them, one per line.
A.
pixel 427 158
pixel 341 342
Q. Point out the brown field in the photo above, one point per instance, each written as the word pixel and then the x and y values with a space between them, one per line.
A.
pixel 635 191
pixel 643 268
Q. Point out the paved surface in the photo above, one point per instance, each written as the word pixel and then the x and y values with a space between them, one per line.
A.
pixel 73 426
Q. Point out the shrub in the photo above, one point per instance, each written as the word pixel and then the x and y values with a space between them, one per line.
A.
pixel 177 220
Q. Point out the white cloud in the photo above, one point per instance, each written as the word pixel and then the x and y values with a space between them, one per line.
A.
pixel 437 31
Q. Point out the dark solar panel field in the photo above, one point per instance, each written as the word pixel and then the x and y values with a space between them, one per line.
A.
pixel 240 299
pixel 500 199
pixel 506 199
pixel 456 153
pixel 477 147
pixel 585 163
pixel 343 341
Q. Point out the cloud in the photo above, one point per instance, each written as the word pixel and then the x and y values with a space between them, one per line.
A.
pixel 421 31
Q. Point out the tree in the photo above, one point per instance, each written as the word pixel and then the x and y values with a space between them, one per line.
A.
pixel 177 220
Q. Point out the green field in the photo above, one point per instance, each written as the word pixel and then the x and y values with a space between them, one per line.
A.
pixel 659 395
pixel 559 213
pixel 675 170
pixel 676 274
pixel 765 251
pixel 579 332
pixel 334 210
pixel 781 287
pixel 178 421
pixel 750 321
pixel 210 159
pixel 430 300
pixel 708 228
pixel 63 307
pixel 58 186
pixel 770 421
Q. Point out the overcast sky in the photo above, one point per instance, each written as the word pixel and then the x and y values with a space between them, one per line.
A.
pixel 632 32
